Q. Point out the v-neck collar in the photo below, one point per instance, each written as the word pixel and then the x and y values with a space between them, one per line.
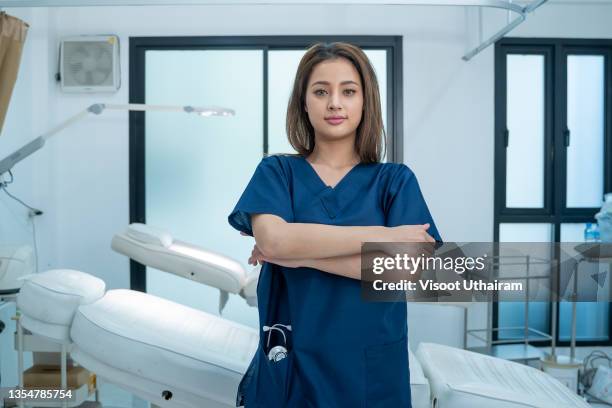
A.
pixel 338 184
pixel 332 198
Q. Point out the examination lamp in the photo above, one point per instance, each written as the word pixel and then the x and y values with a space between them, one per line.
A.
pixel 8 162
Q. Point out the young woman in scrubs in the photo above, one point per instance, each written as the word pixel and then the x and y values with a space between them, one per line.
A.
pixel 310 214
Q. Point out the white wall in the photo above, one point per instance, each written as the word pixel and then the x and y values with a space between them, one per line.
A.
pixel 81 180
pixel 28 115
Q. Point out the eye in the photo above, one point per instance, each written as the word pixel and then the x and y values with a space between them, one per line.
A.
pixel 350 91
pixel 318 92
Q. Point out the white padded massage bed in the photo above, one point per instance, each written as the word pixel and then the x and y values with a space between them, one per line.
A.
pixel 164 352
pixel 176 356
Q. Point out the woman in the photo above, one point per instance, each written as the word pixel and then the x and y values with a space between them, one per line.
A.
pixel 309 214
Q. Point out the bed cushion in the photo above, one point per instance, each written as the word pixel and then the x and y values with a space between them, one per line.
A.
pixel 166 342
pixel 465 379
pixel 48 301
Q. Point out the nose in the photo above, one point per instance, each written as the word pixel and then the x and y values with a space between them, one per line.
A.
pixel 334 102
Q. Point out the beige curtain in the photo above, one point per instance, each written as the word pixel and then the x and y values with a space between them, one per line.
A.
pixel 12 36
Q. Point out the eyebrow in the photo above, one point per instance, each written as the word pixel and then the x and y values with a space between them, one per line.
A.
pixel 341 83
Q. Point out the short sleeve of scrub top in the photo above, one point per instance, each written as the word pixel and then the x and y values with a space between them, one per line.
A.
pixel 266 193
pixel 406 204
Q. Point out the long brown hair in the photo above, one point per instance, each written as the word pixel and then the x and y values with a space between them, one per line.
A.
pixel 370 135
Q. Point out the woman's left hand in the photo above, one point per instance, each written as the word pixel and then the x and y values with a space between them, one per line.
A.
pixel 258 257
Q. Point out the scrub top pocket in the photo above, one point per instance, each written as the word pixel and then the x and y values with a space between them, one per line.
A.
pixel 386 373
pixel 271 384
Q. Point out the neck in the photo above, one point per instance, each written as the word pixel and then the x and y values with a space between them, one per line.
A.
pixel 335 153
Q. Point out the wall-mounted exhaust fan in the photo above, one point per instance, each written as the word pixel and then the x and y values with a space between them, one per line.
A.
pixel 90 64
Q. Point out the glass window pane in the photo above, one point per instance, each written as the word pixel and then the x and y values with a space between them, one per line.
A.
pixel 525 122
pixel 197 167
pixel 592 318
pixel 585 121
pixel 512 314
pixel 523 232
pixel 592 321
pixel 572 232
pixel 282 67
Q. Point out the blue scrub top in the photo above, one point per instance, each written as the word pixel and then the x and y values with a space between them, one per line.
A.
pixel 344 351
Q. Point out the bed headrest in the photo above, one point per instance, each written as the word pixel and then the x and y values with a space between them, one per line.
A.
pixel 157 249
pixel 149 235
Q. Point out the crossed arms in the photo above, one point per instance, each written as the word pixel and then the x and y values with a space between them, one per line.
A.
pixel 329 248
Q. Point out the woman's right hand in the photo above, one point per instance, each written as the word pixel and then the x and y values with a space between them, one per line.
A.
pixel 409 240
pixel 410 233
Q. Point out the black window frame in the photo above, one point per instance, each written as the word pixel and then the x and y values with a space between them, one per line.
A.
pixel 140 45
pixel 554 211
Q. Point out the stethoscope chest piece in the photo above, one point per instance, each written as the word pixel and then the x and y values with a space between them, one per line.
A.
pixel 277 353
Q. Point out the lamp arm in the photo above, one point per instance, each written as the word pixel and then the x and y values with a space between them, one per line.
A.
pixel 65 124
pixel 97 108
pixel 143 107
pixel 35 145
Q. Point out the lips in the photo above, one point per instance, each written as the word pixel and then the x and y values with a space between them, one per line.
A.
pixel 335 120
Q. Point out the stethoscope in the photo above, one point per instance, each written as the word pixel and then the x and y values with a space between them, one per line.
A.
pixel 277 353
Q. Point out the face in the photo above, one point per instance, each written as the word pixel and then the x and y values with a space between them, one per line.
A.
pixel 334 99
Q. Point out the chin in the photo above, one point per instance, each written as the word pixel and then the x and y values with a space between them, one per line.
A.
pixel 338 135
